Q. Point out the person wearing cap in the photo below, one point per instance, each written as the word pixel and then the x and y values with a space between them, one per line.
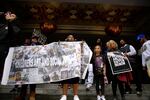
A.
pixel 145 52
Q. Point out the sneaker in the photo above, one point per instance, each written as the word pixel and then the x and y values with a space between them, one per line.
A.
pixel 64 97
pixel 128 92
pixel 103 97
pixel 76 97
pixel 98 97
pixel 88 87
pixel 138 93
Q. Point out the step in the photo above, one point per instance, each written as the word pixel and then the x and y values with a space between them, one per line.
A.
pixel 53 92
pixel 70 97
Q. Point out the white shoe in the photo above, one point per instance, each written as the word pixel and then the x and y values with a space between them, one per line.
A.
pixel 103 97
pixel 88 85
pixel 98 97
pixel 76 97
pixel 64 97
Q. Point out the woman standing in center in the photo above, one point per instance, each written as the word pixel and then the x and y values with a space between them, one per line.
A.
pixel 74 81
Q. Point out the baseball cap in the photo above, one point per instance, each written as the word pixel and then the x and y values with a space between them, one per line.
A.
pixel 140 36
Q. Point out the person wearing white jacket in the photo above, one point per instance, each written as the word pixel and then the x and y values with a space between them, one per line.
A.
pixel 145 53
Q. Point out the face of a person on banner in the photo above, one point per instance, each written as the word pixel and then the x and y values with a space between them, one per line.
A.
pixel 10 16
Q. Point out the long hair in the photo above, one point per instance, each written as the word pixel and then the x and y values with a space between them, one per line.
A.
pixel 113 42
pixel 94 54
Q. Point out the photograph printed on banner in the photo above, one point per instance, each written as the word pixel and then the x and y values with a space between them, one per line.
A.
pixel 119 63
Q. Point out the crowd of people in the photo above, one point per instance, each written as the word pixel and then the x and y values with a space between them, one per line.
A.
pixel 101 67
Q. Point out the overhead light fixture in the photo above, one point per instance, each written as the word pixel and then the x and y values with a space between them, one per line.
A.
pixel 114 30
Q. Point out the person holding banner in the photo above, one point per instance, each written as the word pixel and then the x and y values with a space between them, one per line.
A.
pixel 116 79
pixel 145 52
pixel 74 81
pixel 23 92
pixel 6 35
pixel 99 69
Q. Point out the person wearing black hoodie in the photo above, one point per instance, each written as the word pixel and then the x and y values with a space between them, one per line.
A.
pixel 6 36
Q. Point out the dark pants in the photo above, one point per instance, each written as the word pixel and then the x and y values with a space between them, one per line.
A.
pixel 23 92
pixel 99 80
pixel 137 74
pixel 127 87
pixel 115 82
pixel 3 55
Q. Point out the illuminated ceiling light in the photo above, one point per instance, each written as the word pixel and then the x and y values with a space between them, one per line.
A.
pixel 114 30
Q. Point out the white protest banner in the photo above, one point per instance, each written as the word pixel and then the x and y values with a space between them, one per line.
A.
pixel 54 62
pixel 119 63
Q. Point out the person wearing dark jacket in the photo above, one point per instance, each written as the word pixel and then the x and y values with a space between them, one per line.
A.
pixel 32 95
pixel 23 92
pixel 117 79
pixel 6 36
